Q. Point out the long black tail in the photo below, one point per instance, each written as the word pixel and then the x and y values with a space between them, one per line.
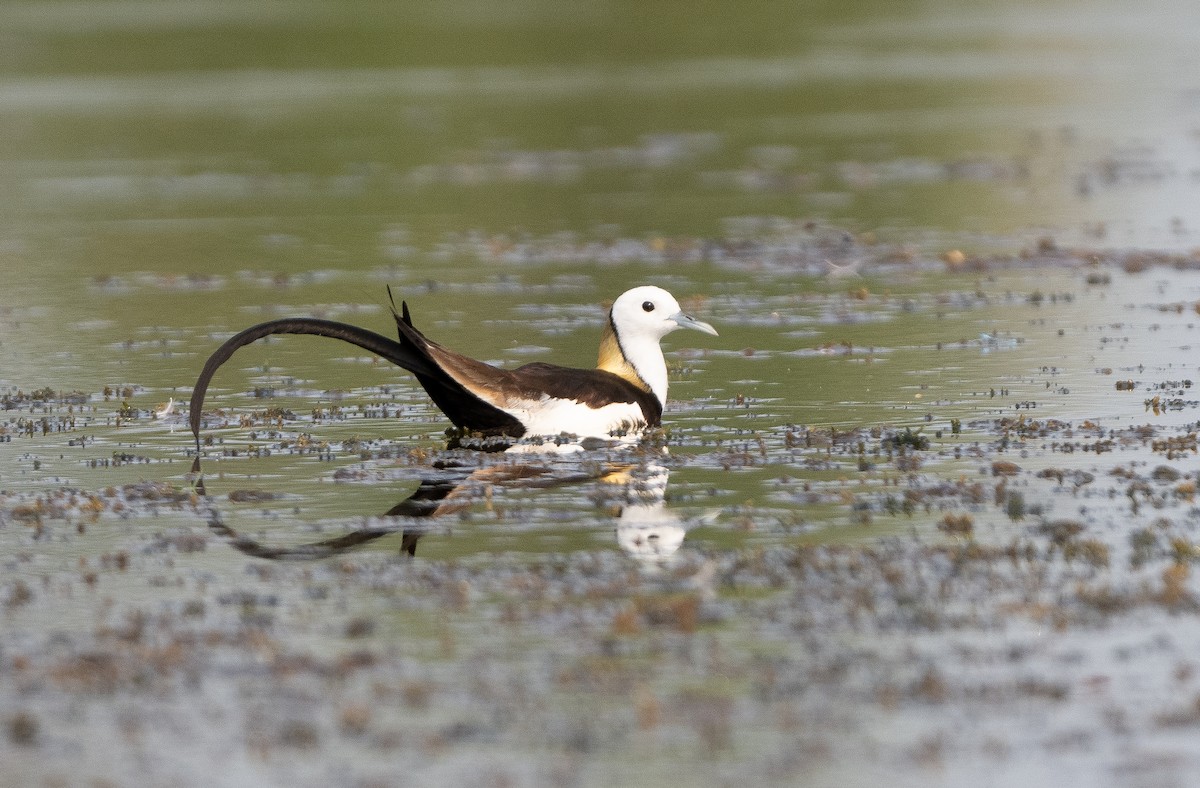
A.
pixel 401 355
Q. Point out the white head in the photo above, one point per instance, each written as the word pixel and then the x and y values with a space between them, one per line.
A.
pixel 652 313
pixel 639 319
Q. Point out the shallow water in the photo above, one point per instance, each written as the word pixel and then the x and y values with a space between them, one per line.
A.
pixel 972 226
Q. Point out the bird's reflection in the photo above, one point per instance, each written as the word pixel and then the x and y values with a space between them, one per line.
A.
pixel 632 490
pixel 646 529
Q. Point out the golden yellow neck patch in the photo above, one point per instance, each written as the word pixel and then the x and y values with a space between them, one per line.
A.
pixel 613 360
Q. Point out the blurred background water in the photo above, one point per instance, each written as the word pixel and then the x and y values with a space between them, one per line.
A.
pixel 210 138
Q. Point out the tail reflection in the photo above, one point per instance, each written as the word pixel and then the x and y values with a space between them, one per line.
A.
pixel 633 492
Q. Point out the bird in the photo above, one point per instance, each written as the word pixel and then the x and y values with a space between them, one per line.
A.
pixel 625 393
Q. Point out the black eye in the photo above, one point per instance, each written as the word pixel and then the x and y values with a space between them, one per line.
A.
pixel 648 306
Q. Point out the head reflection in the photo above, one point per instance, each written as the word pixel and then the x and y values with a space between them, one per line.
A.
pixel 632 491
pixel 647 530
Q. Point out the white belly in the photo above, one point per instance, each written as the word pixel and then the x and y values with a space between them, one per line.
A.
pixel 552 417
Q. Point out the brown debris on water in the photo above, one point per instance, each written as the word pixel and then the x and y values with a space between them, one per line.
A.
pixel 1175 594
pixel 957 524
pixel 1005 468
pixel 24 730
pixel 1061 531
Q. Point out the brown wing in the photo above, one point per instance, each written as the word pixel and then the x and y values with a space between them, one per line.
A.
pixel 593 387
pixel 504 388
